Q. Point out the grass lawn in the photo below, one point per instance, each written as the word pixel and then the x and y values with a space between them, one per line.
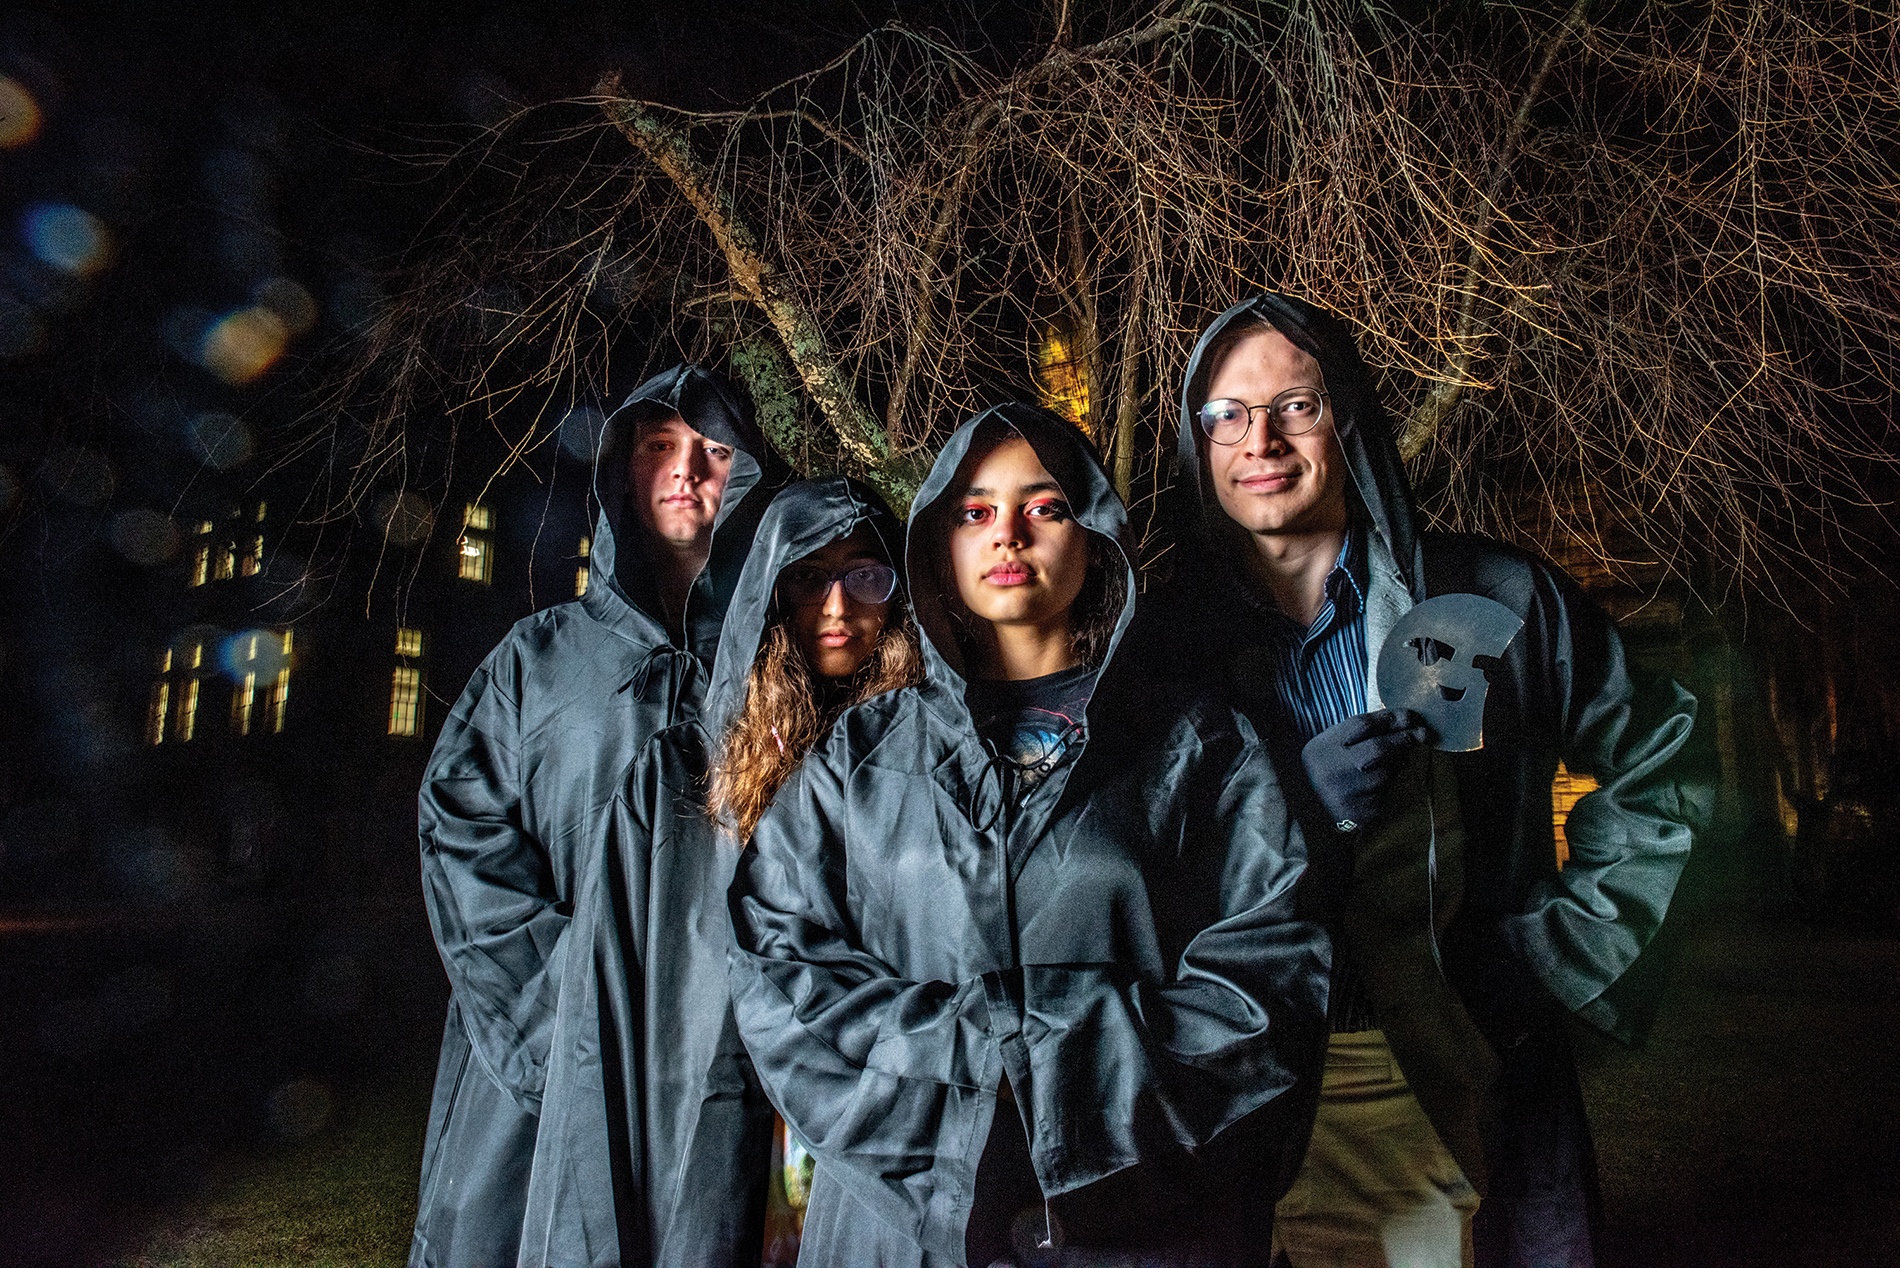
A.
pixel 343 1197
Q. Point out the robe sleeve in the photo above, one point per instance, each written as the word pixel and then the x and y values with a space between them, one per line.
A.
pixel 889 1081
pixel 489 887
pixel 1586 925
pixel 1172 1063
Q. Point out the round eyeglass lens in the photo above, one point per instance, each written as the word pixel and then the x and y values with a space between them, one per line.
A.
pixel 866 583
pixel 1294 412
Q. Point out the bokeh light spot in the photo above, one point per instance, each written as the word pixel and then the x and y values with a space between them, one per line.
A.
pixel 20 328
pixel 79 476
pixel 287 297
pixel 581 432
pixel 144 536
pixel 19 115
pixel 405 517
pixel 221 441
pixel 68 238
pixel 243 344
pixel 259 652
pixel 299 1109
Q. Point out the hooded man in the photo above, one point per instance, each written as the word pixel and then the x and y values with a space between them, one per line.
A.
pixel 517 792
pixel 1448 1073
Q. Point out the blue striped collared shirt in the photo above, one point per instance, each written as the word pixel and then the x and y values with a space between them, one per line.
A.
pixel 1318 674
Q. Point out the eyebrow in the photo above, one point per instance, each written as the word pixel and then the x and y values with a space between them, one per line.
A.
pixel 1045 486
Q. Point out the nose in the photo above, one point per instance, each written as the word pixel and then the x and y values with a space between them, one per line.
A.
pixel 1263 437
pixel 1010 528
pixel 835 602
pixel 689 464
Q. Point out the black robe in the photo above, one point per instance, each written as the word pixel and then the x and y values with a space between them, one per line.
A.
pixel 1470 939
pixel 1119 939
pixel 514 804
pixel 655 1135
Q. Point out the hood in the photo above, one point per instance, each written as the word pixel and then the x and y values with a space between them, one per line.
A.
pixel 1069 457
pixel 1384 501
pixel 804 518
pixel 622 591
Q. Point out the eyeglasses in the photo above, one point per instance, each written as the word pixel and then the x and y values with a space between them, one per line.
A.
pixel 803 585
pixel 1294 412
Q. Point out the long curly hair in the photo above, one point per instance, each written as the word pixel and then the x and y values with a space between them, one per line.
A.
pixel 788 709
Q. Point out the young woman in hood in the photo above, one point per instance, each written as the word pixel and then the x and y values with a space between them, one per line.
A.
pixel 657 1148
pixel 1016 947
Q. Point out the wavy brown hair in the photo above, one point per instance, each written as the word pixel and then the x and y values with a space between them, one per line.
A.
pixel 787 711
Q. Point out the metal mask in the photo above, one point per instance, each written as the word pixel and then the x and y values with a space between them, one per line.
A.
pixel 1428 664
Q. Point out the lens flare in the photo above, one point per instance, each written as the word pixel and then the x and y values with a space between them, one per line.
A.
pixel 220 440
pixel 287 297
pixel 405 518
pixel 144 536
pixel 242 345
pixel 68 238
pixel 19 115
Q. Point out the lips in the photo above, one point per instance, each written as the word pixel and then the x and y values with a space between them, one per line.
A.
pixel 1267 481
pixel 1007 574
pixel 834 638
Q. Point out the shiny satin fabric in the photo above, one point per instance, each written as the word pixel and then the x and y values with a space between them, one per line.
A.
pixel 655 1138
pixel 513 807
pixel 1120 940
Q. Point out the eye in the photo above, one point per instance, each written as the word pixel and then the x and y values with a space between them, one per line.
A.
pixel 719 453
pixel 1052 509
pixel 973 513
pixel 1223 411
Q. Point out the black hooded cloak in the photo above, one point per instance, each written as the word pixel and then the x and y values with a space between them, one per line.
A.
pixel 1465 929
pixel 1120 940
pixel 514 804
pixel 655 1135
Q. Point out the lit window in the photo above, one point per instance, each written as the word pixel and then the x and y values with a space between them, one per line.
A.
pixel 225 558
pixel 1063 377
pixel 1565 792
pixel 408 642
pixel 244 695
pixel 581 573
pixel 201 556
pixel 260 512
pixel 405 701
pixel 185 721
pixel 476 560
pixel 253 561
pixel 161 700
pixel 280 690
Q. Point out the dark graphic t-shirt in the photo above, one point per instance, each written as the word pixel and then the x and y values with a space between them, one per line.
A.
pixel 1035 722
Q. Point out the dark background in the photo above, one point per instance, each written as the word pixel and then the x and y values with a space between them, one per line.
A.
pixel 216 950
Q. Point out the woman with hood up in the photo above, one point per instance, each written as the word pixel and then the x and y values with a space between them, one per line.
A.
pixel 655 1138
pixel 1015 948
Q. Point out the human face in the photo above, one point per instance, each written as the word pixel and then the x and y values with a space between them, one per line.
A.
pixel 837 633
pixel 1272 484
pixel 675 478
pixel 1017 553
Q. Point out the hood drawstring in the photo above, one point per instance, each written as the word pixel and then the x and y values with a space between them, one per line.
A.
pixel 669 658
pixel 1005 770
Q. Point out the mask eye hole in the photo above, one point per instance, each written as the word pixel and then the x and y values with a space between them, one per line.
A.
pixel 1485 664
pixel 1429 650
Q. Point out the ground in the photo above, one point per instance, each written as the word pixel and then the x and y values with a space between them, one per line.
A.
pixel 1760 1124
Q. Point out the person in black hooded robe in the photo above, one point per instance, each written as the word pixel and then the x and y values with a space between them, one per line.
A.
pixel 516 794
pixel 1015 949
pixel 1462 941
pixel 655 1135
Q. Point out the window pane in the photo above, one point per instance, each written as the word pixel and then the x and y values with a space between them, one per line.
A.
pixel 187 722
pixel 477 559
pixel 280 700
pixel 479 517
pixel 580 582
pixel 161 704
pixel 405 701
pixel 408 642
pixel 242 698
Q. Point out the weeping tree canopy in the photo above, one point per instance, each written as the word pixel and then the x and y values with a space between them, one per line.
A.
pixel 1629 272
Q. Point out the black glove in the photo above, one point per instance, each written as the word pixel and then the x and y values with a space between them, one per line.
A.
pixel 1350 763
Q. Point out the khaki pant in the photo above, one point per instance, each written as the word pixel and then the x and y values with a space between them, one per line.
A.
pixel 1378 1188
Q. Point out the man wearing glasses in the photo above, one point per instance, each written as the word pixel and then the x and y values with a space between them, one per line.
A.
pixel 1449 1127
